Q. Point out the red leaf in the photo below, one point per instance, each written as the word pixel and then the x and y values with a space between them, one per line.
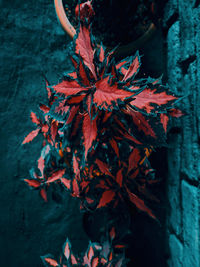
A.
pixel 95 262
pixel 72 113
pixel 75 165
pixel 89 132
pixel 107 116
pixel 103 167
pixel 134 159
pixel 67 249
pixel 142 123
pixel 54 130
pixel 119 177
pixel 76 125
pixel 75 188
pixel 66 182
pixel 33 183
pixel 48 89
pixel 56 176
pixel 41 164
pixel 90 253
pixel 84 10
pixel 76 99
pixel 149 96
pixel 115 147
pixel 106 94
pixel 164 120
pixel 52 262
pixel 44 108
pixel 83 75
pixel 133 68
pixel 72 74
pixel 130 137
pixel 62 107
pixel 139 203
pixel 101 54
pixel 84 48
pixel 43 194
pixel 73 259
pixel 120 64
pixel 175 113
pixel 69 88
pixel 45 128
pixel 31 136
pixel 89 200
pixel 106 198
pixel 34 118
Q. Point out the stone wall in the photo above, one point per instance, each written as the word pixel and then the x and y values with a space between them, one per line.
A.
pixel 182 28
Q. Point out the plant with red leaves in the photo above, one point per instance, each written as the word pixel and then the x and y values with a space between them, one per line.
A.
pixel 99 127
pixel 106 254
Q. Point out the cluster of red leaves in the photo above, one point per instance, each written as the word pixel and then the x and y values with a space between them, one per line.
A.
pixel 97 255
pixel 92 115
pixel 99 127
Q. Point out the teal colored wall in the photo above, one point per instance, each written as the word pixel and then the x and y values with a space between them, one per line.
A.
pixel 182 26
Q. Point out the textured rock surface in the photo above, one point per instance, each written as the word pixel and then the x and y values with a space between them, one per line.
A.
pixel 183 223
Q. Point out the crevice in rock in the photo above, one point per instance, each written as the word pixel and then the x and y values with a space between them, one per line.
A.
pixel 186 63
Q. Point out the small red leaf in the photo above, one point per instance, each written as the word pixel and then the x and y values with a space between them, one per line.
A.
pixel 89 200
pixel 151 96
pixel 176 113
pixel 103 167
pixel 90 253
pixel 84 48
pixel 101 54
pixel 66 182
pixel 75 188
pixel 106 198
pixel 54 130
pixel 75 165
pixel 69 88
pixel 31 136
pixel 44 108
pixel 52 262
pixel 89 132
pixel 73 259
pixel 34 118
pixel 95 262
pixel 115 147
pixel 139 203
pixel 33 183
pixel 45 128
pixel 84 10
pixel 134 159
pixel 164 120
pixel 72 113
pixel 41 164
pixel 142 123
pixel 56 176
pixel 67 249
pixel 83 75
pixel 119 177
pixel 62 107
pixel 133 68
pixel 43 194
